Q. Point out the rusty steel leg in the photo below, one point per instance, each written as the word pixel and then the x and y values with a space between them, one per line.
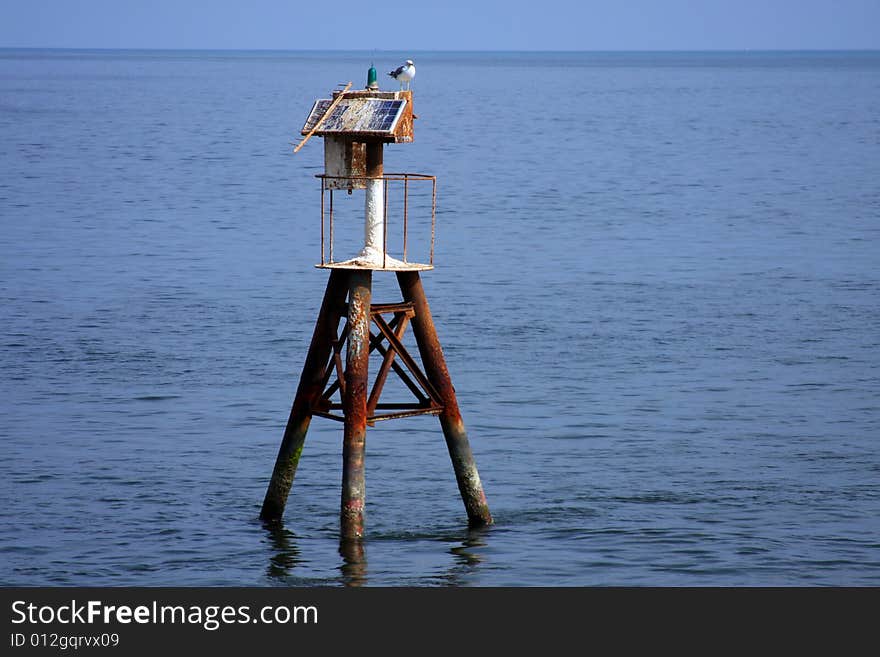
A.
pixel 354 404
pixel 450 419
pixel 309 390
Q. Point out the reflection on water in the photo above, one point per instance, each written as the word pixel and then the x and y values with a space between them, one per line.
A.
pixel 354 561
pixel 285 554
pixel 287 565
pixel 464 553
pixel 468 555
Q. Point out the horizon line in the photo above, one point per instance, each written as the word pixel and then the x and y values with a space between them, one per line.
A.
pixel 446 50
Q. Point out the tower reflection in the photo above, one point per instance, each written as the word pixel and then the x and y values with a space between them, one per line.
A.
pixel 285 555
pixel 467 550
pixel 354 561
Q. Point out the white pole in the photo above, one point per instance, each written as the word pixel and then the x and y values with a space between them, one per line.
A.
pixel 374 222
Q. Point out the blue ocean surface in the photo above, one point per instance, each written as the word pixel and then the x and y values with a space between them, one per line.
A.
pixel 657 287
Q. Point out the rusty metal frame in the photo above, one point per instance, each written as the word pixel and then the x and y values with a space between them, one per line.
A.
pixel 323 262
pixel 405 207
pixel 434 392
pixel 427 400
pixel 388 177
pixel 433 214
pixel 385 223
pixel 331 226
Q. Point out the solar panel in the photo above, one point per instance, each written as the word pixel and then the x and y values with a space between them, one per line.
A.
pixel 385 114
pixel 353 115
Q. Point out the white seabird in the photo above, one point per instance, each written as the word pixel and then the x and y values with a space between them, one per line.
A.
pixel 404 74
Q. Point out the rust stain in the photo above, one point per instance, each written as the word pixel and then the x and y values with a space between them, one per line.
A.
pixel 355 404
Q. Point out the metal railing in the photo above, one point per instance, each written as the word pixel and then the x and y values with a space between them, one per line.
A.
pixel 386 178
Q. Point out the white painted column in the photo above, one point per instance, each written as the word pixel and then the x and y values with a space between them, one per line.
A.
pixel 374 222
pixel 374 207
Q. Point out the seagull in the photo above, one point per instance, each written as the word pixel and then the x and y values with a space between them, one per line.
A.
pixel 404 74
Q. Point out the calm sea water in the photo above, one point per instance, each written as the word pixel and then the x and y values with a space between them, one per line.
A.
pixel 657 287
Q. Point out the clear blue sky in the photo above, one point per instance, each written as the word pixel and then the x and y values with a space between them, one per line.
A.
pixel 443 24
